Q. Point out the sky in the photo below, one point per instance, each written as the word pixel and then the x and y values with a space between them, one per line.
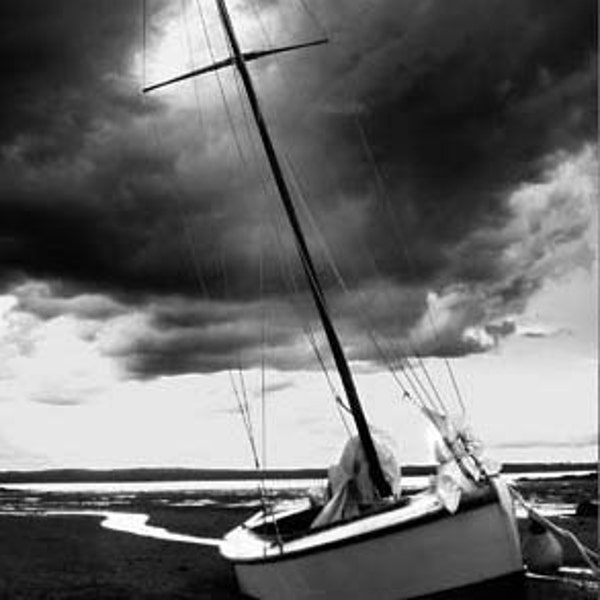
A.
pixel 443 158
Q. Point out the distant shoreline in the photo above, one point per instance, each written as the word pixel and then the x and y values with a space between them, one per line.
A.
pixel 187 474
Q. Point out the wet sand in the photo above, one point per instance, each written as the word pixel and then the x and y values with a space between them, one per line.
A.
pixel 72 557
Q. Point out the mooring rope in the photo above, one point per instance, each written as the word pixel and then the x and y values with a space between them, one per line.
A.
pixel 589 556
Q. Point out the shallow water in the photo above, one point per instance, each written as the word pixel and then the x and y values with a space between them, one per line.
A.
pixel 137 524
pixel 135 487
pixel 124 505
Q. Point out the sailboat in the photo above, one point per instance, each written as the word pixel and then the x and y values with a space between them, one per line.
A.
pixel 366 541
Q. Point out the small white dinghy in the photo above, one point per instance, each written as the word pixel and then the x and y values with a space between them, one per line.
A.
pixel 409 547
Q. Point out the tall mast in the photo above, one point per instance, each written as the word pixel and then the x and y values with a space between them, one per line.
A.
pixel 375 471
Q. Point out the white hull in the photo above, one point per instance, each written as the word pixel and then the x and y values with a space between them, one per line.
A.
pixel 397 554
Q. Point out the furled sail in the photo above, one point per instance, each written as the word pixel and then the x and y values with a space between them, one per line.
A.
pixel 351 487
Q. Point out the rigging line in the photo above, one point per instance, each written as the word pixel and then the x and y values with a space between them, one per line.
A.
pixel 264 180
pixel 394 222
pixel 192 247
pixel 242 392
pixel 258 16
pixel 411 377
pixel 263 335
pixel 408 372
pixel 265 190
pixel 242 409
pixel 261 24
pixel 247 421
pixel 191 61
pixel 251 138
pixel 307 330
pixel 267 509
pixel 190 242
pixel 248 425
pixel 399 234
pixel 404 366
pixel 296 180
pixel 343 417
pixel 341 281
pixel 282 74
pixel 313 342
pixel 318 292
pixel 249 428
pixel 428 408
pixel 416 384
pixel 287 270
pixel 178 192
pixel 232 127
pixel 188 231
pixel 253 150
pixel 242 401
pixel 144 43
pixel 401 356
pixel 310 335
pixel 343 406
pixel 315 19
pixel 376 472
pixel 221 86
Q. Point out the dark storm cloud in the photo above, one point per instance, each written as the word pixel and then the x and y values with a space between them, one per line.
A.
pixel 190 336
pixel 72 183
pixel 42 301
pixel 55 61
pixel 461 104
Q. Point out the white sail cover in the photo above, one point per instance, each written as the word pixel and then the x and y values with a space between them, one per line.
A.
pixel 350 484
pixel 456 442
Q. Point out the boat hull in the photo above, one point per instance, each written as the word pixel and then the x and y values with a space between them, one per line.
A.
pixel 388 557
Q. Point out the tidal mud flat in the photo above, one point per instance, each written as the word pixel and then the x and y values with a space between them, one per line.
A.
pixel 66 556
pixel 73 557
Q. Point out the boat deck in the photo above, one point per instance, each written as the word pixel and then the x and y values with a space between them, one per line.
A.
pixel 267 535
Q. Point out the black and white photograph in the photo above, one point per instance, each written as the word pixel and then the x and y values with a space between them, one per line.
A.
pixel 299 300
